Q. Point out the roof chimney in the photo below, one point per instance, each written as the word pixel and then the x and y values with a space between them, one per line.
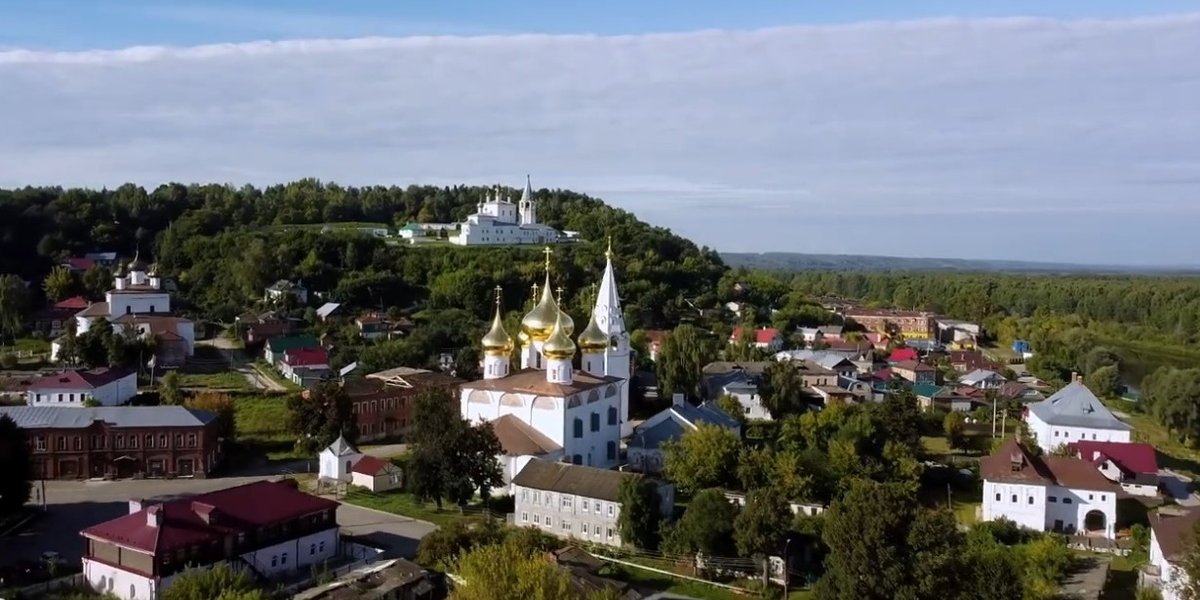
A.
pixel 135 504
pixel 678 399
pixel 154 516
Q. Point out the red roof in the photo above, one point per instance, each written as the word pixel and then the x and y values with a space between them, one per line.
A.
pixel 370 466
pixel 209 517
pixel 1129 457
pixel 77 263
pixel 762 336
pixel 1011 463
pixel 79 380
pixel 903 354
pixel 73 303
pixel 306 357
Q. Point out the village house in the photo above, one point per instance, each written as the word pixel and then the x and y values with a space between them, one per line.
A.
pixel 575 501
pixel 983 379
pixel 276 347
pixel 269 525
pixel 947 398
pixel 1169 528
pixel 915 372
pixel 766 338
pixel 78 264
pixel 1074 414
pixel 304 365
pixel 382 402
pixel 327 311
pixel 374 326
pixel 1048 493
pixel 74 388
pixel 1132 465
pixel 824 332
pixel 644 448
pixel 965 361
pixel 53 320
pixel 174 337
pixel 283 289
pixel 391 579
pixel 119 441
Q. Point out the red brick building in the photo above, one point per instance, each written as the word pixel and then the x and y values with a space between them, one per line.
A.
pixel 912 325
pixel 119 441
pixel 382 402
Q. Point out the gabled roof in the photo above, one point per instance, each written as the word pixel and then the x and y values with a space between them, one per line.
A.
pixel 340 447
pixel 707 412
pixel 289 342
pixel 327 309
pixel 978 376
pixel 653 436
pixel 1012 463
pixel 74 379
pixel 721 366
pixel 903 354
pixel 762 336
pixel 306 357
pixel 1171 527
pixel 926 390
pixel 1076 406
pixel 78 263
pixel 72 303
pixel 95 309
pixel 371 466
pixel 1129 457
pixel 70 417
pixel 914 366
pixel 517 438
pixel 284 285
pixel 578 480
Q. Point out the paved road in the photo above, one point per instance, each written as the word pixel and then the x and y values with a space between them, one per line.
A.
pixel 76 505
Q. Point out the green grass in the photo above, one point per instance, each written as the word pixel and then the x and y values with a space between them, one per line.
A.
pixel 261 418
pixel 935 445
pixel 226 380
pixel 684 587
pixel 1172 454
pixel 403 503
pixel 269 372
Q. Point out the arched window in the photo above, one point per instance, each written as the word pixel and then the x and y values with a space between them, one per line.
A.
pixel 612 415
pixel 610 391
pixel 578 428
pixel 593 396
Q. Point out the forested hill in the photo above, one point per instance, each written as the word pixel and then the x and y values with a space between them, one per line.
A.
pixel 224 245
pixel 793 261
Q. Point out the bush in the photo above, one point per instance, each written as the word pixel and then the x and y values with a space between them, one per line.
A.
pixel 8 360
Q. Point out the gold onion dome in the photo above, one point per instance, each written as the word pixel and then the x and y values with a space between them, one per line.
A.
pixel 559 345
pixel 568 324
pixel 497 341
pixel 593 339
pixel 538 324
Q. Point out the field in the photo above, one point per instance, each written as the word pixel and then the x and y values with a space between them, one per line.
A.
pixel 261 418
pixel 225 381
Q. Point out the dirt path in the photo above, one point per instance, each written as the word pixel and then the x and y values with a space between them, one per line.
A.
pixel 238 361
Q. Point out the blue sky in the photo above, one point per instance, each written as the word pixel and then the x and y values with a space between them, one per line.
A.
pixel 848 127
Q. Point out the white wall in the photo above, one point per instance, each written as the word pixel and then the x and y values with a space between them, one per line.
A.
pixel 1169 577
pixel 1033 507
pixel 138 303
pixel 1021 512
pixel 752 406
pixel 112 394
pixel 119 582
pixel 335 467
pixel 300 553
pixel 1050 437
pixel 381 483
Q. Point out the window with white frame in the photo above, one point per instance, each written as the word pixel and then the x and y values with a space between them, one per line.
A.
pixel 524 517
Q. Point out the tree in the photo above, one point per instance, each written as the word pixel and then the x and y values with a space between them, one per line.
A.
pixel 704 457
pixel 97 280
pixel 16 468
pixel 730 406
pixel 477 459
pixel 450 458
pixel 60 284
pixel 169 392
pixel 1105 381
pixel 681 360
pixel 505 571
pixel 706 526
pixel 761 527
pixel 319 415
pixel 219 404
pixel 640 516
pixel 221 582
pixel 782 390
pixel 954 428
pixel 14 303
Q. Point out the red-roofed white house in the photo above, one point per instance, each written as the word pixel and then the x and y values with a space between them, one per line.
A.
pixel 767 338
pixel 297 360
pixel 268 526
pixel 108 387
pixel 1131 464
pixel 376 474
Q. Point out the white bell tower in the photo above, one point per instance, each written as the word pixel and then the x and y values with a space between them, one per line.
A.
pixel 610 320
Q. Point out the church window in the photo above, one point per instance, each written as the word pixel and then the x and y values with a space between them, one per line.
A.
pixel 612 415
pixel 595 421
pixel 578 427
pixel 610 391
pixel 593 396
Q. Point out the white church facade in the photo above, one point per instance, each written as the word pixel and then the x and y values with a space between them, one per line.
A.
pixel 499 221
pixel 548 409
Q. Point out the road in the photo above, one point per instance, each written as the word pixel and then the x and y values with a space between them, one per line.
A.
pixel 76 505
pixel 237 360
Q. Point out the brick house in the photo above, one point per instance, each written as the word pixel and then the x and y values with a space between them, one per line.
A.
pixel 119 441
pixel 382 402
pixel 912 325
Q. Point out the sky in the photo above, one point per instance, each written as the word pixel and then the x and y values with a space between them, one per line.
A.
pixel 1015 130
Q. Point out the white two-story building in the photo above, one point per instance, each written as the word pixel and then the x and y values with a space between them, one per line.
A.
pixel 103 386
pixel 1048 493
pixel 1074 414
pixel 573 501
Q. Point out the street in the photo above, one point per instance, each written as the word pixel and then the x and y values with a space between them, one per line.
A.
pixel 76 505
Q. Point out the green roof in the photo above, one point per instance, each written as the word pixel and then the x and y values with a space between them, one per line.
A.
pixel 926 390
pixel 292 342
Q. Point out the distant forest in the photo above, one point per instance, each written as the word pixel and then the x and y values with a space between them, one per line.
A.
pixel 792 261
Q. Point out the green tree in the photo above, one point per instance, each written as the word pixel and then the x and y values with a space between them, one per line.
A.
pixel 681 359
pixel 761 527
pixel 640 517
pixel 1105 381
pixel 319 415
pixel 706 526
pixel 15 466
pixel 169 391
pixel 97 280
pixel 450 458
pixel 782 390
pixel 14 303
pixel 219 404
pixel 60 284
pixel 954 428
pixel 220 582
pixel 506 571
pixel 732 407
pixel 702 458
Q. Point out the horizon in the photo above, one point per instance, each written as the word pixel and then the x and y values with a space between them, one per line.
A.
pixel 1040 134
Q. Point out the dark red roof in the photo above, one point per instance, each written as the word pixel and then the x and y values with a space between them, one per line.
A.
pixel 79 380
pixel 902 354
pixel 209 517
pixel 305 357
pixel 1011 463
pixel 78 263
pixel 762 336
pixel 73 303
pixel 1129 457
pixel 369 465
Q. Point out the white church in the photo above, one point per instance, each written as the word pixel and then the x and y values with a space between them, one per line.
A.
pixel 497 220
pixel 548 409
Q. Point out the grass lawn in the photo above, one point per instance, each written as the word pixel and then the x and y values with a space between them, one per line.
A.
pixel 403 503
pixel 935 445
pixel 227 380
pixel 269 372
pixel 683 587
pixel 261 418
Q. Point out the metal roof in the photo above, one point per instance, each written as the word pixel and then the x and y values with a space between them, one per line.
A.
pixel 69 417
pixel 1076 406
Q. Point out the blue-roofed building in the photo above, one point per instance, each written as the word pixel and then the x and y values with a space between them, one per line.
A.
pixel 644 449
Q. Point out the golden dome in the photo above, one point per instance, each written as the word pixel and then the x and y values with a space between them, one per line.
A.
pixel 568 324
pixel 593 339
pixel 497 342
pixel 559 345
pixel 538 324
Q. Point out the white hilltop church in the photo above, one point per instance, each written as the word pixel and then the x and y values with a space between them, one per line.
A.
pixel 497 220
pixel 548 409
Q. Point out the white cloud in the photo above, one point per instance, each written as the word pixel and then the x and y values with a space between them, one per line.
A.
pixel 941 128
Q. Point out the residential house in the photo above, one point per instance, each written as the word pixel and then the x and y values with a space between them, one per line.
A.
pixel 576 502
pixel 13 388
pixel 275 347
pixel 119 441
pixel 947 398
pixel 983 379
pixel 715 375
pixel 382 402
pixel 583 570
pixel 965 361
pixel 1132 465
pixel 1170 527
pixel 104 259
pixel 328 310
pixel 878 340
pixel 299 364
pixel 824 332
pixel 260 332
pixel 1022 392
pixel 78 264
pixel 284 288
pixel 837 363
pixel 907 323
pixel 833 394
pixel 959 334
pixel 269 526
pixel 1074 414
pixel 53 320
pixel 1048 493
pixel 374 325
pixel 742 385
pixel 336 461
pixel 905 354
pixel 654 340
pixel 766 338
pixel 74 387
pixel 376 474
pixel 811 509
pixel 861 390
pixel 644 448
pixel 915 372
